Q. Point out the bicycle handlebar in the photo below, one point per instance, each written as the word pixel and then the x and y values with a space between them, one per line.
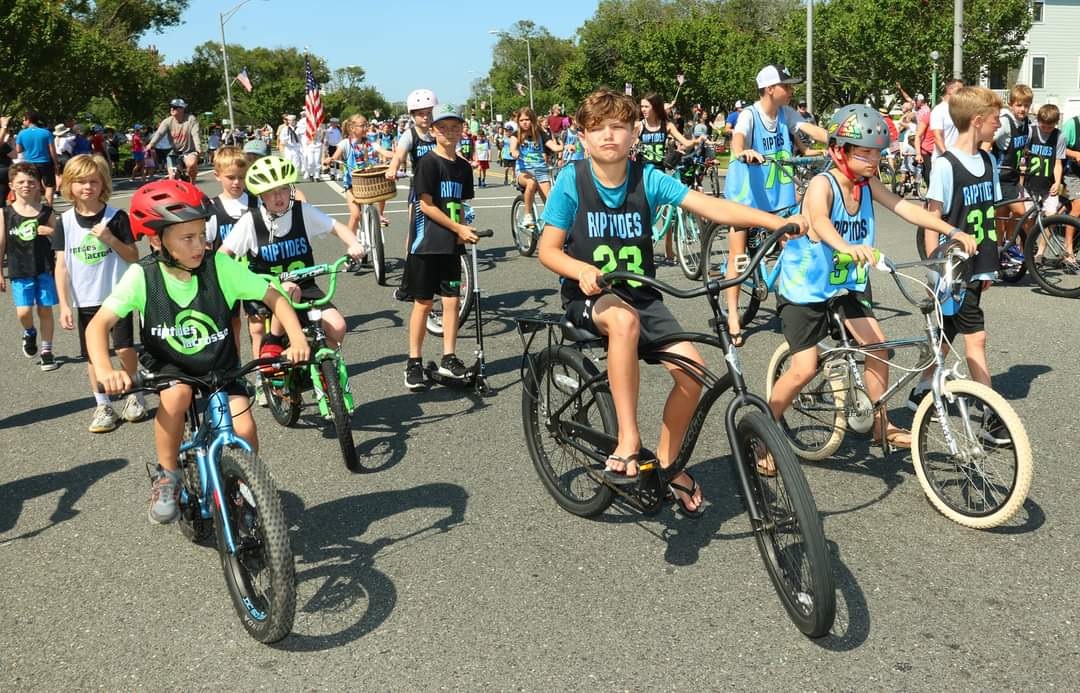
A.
pixel 711 286
pixel 948 254
pixel 145 381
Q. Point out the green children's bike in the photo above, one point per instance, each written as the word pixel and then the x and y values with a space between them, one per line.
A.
pixel 325 373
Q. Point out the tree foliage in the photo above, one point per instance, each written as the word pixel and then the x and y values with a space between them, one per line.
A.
pixel 550 56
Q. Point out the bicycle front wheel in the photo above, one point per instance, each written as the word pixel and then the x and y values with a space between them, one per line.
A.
pixel 815 423
pixel 986 481
pixel 465 301
pixel 335 399
pixel 524 237
pixel 570 475
pixel 284 402
pixel 373 238
pixel 1051 255
pixel 260 575
pixel 714 259
pixel 789 534
pixel 688 245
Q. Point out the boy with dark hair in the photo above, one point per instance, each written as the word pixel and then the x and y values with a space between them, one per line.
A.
pixel 1045 170
pixel 442 181
pixel 598 219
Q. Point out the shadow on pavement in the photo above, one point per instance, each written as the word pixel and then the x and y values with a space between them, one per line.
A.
pixel 852 625
pixel 1015 383
pixel 52 411
pixel 73 482
pixel 341 594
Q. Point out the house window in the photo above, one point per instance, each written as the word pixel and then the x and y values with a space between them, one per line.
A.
pixel 1037 11
pixel 1038 73
pixel 999 77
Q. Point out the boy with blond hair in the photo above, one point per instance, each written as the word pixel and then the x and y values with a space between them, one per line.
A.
pixel 94 246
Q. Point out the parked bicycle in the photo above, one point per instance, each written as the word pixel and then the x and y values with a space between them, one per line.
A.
pixel 227 490
pixel 326 372
pixel 970 450
pixel 570 428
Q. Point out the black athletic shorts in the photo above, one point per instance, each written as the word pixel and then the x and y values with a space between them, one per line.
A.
pixel 970 318
pixel 656 321
pixel 235 388
pixel 48 174
pixel 123 332
pixel 806 324
pixel 428 275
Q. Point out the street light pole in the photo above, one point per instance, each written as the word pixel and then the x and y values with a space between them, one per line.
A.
pixel 528 52
pixel 810 56
pixel 224 17
pixel 934 55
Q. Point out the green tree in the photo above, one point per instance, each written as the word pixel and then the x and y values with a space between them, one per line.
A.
pixel 550 56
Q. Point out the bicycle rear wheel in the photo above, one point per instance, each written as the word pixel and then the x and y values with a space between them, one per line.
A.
pixel 465 301
pixel 335 399
pixel 284 402
pixel 568 474
pixel 714 181
pixel 987 481
pixel 1013 267
pixel 524 237
pixel 688 244
pixel 261 575
pixel 714 260
pixel 789 535
pixel 815 423
pixel 1048 256
pixel 373 238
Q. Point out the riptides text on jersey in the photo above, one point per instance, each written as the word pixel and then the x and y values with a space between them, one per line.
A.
pixel 853 230
pixel 615 225
pixel 1043 150
pixel 773 142
pixel 977 193
pixel 287 248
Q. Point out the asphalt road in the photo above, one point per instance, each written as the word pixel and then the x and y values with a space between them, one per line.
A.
pixel 451 568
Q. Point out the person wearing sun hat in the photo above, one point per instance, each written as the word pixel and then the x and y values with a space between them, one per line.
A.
pixel 764 131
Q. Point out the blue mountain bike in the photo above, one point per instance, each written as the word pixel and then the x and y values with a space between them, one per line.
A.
pixel 227 490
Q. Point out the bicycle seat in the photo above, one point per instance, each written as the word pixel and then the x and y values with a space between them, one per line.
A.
pixel 573 333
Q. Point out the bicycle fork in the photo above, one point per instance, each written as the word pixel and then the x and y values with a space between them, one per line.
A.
pixel 211 485
pixel 328 354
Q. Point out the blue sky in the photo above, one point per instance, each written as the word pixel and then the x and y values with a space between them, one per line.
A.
pixel 437 49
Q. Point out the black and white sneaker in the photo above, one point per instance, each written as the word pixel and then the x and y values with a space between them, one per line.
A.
pixel 415 378
pixel 400 294
pixel 29 343
pixel 452 367
pixel 993 430
pixel 915 398
pixel 48 361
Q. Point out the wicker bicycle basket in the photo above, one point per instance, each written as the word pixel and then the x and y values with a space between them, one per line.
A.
pixel 371 185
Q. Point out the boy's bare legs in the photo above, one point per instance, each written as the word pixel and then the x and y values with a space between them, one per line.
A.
pixel 418 327
pixel 619 322
pixel 681 401
pixel 803 368
pixel 736 247
pixel 46 326
pixel 173 404
pixel 450 307
pixel 975 355
pixel 868 331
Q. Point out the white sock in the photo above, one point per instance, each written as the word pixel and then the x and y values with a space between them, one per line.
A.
pixel 101 398
pixel 140 398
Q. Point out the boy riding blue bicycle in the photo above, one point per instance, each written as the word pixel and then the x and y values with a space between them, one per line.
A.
pixel 186 306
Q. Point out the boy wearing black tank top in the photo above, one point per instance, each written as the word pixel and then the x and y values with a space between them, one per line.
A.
pixel 598 220
pixel 963 188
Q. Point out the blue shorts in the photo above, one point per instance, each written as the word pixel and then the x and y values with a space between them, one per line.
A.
pixel 30 290
pixel 138 156
pixel 540 173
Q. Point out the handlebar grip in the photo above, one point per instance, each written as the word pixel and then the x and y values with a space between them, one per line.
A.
pixel 486 233
pixel 846 259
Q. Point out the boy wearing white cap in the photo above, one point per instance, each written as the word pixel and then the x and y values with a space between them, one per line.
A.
pixel 766 128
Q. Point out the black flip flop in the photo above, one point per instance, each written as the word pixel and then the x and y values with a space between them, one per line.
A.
pixel 674 488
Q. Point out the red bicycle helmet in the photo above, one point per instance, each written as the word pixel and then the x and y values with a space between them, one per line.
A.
pixel 163 203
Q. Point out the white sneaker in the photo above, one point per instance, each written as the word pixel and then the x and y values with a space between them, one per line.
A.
pixel 133 410
pixel 529 222
pixel 104 419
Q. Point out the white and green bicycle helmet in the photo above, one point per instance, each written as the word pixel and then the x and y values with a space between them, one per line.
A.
pixel 270 172
pixel 858 125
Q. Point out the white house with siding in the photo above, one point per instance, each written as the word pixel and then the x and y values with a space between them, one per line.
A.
pixel 1051 66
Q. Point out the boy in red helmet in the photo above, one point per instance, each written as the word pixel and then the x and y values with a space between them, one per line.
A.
pixel 169 288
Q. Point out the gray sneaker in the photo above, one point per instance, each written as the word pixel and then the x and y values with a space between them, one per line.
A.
pixel 104 419
pixel 133 410
pixel 164 493
pixel 260 393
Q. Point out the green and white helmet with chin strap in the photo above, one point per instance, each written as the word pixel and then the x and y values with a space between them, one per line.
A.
pixel 858 125
pixel 270 172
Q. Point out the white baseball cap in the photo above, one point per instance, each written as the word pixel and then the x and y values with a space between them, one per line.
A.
pixel 920 97
pixel 740 104
pixel 771 75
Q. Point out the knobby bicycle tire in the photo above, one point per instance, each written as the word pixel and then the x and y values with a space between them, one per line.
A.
pixel 335 399
pixel 1051 273
pixel 373 231
pixel 524 238
pixel 564 470
pixel 688 244
pixel 790 536
pixel 815 423
pixel 193 525
pixel 284 405
pixel 261 576
pixel 466 299
pixel 972 489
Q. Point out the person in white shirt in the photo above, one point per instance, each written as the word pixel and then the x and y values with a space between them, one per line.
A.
pixel 289 142
pixel 333 138
pixel 941 123
pixel 312 146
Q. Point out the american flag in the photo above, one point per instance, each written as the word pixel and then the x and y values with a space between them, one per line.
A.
pixel 244 80
pixel 312 101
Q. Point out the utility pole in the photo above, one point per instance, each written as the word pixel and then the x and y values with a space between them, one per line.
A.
pixel 958 40
pixel 810 55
